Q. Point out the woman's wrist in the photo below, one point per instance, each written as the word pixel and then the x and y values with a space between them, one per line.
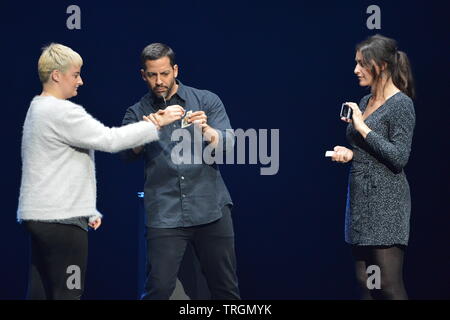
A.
pixel 364 130
pixel 158 121
pixel 351 155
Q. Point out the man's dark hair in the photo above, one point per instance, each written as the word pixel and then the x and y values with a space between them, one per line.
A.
pixel 156 51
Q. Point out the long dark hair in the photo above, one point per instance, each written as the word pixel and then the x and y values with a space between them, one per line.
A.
pixel 382 50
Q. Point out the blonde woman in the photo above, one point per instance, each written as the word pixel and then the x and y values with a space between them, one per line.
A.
pixel 57 199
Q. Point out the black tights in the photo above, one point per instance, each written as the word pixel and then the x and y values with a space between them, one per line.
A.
pixel 390 261
pixel 55 249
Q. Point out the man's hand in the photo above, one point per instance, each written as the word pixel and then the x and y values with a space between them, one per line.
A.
pixel 210 134
pixel 168 115
pixel 200 119
pixel 151 118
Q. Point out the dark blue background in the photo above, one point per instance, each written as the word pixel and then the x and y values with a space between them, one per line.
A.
pixel 285 65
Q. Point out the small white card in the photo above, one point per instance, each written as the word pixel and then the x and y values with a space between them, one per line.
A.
pixel 184 122
pixel 329 153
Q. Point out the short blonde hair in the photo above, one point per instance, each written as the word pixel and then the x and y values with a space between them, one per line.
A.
pixel 56 57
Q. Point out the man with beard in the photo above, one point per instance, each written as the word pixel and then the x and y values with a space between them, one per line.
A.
pixel 188 202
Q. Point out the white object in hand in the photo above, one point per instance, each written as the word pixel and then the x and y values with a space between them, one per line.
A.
pixel 184 122
pixel 329 153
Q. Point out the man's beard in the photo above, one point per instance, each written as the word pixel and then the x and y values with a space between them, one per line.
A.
pixel 166 93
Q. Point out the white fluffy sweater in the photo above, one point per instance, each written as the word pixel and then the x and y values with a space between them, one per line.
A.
pixel 58 169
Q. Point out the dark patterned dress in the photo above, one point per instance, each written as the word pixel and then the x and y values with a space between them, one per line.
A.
pixel 378 199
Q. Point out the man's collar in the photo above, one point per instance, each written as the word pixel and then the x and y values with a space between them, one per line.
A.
pixel 181 90
pixel 150 98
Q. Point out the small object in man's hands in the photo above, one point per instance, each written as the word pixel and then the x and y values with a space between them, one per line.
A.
pixel 184 121
pixel 329 153
pixel 346 111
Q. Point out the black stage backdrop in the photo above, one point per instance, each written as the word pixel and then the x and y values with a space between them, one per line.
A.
pixel 284 65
